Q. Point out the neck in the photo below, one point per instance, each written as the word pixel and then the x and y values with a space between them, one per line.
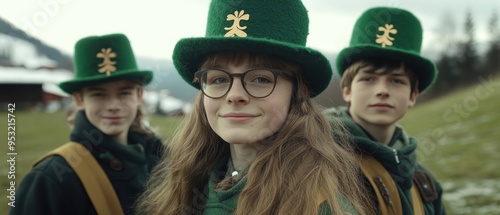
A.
pixel 243 155
pixel 382 133
pixel 121 138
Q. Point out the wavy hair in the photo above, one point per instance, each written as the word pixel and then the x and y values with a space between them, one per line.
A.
pixel 297 169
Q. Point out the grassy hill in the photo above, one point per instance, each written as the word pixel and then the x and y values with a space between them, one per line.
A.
pixel 459 138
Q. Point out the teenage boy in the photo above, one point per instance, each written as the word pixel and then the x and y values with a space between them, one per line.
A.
pixel 382 74
pixel 105 166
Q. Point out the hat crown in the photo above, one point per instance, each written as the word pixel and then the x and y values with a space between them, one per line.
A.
pixel 103 56
pixel 259 19
pixel 390 28
pixel 102 59
pixel 277 28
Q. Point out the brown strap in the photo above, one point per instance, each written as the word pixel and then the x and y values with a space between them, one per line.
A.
pixel 93 178
pixel 385 188
pixel 383 184
pixel 418 206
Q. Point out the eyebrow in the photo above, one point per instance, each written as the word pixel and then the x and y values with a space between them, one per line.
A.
pixel 102 89
pixel 225 67
pixel 126 88
pixel 372 72
pixel 95 89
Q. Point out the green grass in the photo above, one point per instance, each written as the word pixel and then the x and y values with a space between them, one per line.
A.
pixel 37 133
pixel 459 136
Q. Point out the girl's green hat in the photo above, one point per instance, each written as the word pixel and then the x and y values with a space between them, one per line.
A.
pixel 102 59
pixel 278 28
pixel 389 33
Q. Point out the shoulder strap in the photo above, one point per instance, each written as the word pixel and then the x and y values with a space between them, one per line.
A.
pixel 383 185
pixel 93 178
pixel 418 206
pixel 385 188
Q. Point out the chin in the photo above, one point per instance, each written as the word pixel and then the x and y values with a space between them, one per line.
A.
pixel 382 122
pixel 239 140
pixel 112 132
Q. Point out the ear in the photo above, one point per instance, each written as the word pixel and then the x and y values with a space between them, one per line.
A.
pixel 77 98
pixel 346 94
pixel 413 99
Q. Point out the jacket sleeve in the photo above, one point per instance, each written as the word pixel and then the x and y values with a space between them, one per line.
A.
pixel 438 203
pixel 51 188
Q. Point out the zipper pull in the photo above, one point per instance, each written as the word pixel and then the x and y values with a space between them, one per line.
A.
pixel 396 155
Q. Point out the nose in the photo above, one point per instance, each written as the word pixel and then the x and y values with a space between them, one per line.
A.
pixel 237 93
pixel 382 89
pixel 114 104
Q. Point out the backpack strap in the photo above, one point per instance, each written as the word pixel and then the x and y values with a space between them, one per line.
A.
pixel 383 185
pixel 96 183
pixel 385 188
pixel 418 206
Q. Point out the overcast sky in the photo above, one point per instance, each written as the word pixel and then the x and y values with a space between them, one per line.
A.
pixel 154 26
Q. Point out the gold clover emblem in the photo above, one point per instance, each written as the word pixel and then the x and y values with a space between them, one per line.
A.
pixel 236 29
pixel 107 66
pixel 385 39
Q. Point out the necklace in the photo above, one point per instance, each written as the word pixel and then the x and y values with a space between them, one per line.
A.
pixel 234 171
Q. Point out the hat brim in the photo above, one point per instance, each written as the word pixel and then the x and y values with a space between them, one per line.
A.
pixel 189 53
pixel 71 86
pixel 423 67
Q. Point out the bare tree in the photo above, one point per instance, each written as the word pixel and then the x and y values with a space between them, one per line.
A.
pixel 467 54
pixel 492 56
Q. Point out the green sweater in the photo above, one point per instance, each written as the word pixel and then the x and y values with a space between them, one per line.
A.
pixel 223 202
pixel 398 157
pixel 53 188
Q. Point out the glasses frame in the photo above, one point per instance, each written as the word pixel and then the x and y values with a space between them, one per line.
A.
pixel 275 72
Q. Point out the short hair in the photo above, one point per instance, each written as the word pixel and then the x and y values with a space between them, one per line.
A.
pixel 387 66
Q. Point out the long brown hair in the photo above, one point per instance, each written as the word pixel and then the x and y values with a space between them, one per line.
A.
pixel 297 169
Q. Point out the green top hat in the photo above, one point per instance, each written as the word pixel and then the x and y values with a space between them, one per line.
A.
pixel 389 33
pixel 102 59
pixel 278 28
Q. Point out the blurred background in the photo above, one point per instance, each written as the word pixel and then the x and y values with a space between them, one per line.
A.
pixel 456 121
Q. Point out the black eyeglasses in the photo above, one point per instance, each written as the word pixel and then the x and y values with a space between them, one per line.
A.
pixel 258 83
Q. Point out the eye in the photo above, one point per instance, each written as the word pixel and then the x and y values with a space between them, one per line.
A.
pixel 219 80
pixel 126 93
pixel 366 79
pixel 97 94
pixel 259 77
pixel 262 80
pixel 398 81
pixel 215 77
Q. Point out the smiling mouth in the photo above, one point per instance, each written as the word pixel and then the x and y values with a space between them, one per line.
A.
pixel 114 119
pixel 238 117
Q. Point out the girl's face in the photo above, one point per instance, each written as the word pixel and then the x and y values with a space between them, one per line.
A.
pixel 239 118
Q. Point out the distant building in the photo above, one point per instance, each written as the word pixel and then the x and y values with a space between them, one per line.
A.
pixel 31 87
pixel 163 103
pixel 27 77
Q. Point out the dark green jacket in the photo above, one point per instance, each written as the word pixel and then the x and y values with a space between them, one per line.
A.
pixel 53 188
pixel 399 159
pixel 224 202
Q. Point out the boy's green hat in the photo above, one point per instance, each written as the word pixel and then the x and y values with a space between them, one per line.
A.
pixel 278 28
pixel 389 33
pixel 102 59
